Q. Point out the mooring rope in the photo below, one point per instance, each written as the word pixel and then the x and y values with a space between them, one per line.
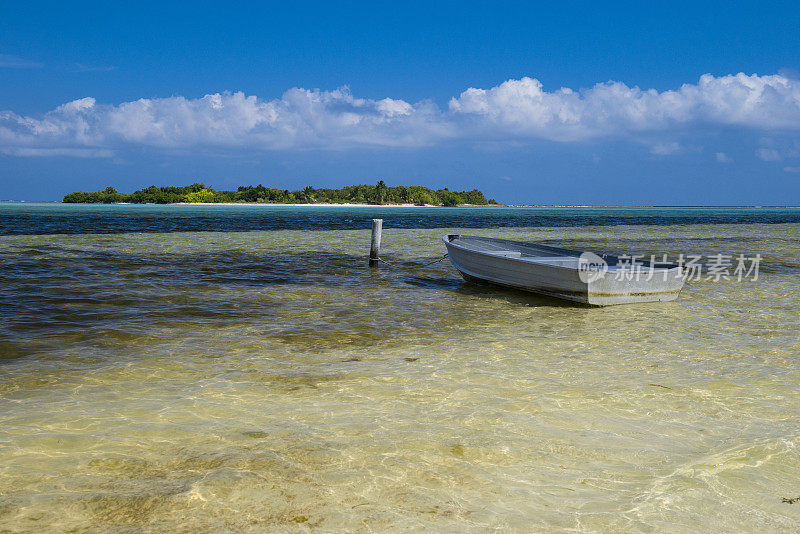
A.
pixel 393 264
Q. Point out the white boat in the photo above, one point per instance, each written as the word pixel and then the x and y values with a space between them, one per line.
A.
pixel 562 273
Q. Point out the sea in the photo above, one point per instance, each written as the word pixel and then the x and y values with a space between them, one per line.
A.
pixel 242 369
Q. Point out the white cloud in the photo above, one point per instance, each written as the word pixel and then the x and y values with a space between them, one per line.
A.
pixel 301 119
pixel 768 154
pixel 524 108
pixel 666 149
pixel 791 169
pixel 514 112
pixel 83 67
pixel 77 106
pixel 52 152
pixel 15 62
pixel 722 157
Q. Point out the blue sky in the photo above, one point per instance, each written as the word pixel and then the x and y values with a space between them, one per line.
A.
pixel 501 97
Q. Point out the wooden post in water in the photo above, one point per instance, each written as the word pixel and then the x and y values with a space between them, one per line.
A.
pixel 375 246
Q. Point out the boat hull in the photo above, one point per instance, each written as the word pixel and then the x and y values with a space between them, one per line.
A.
pixel 559 276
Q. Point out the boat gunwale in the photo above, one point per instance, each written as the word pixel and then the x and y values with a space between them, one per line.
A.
pixel 566 252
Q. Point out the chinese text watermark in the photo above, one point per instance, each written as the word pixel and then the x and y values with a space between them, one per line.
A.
pixel 689 267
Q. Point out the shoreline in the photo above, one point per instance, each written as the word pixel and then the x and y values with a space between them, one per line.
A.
pixel 352 205
pixel 493 206
pixel 327 205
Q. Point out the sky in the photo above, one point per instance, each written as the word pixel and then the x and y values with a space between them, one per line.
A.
pixel 625 103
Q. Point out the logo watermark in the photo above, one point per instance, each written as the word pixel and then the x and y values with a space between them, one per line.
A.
pixel 591 267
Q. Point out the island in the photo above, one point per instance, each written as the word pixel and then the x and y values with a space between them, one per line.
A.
pixel 379 194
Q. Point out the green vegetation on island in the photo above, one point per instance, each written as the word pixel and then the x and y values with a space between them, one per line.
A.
pixel 353 194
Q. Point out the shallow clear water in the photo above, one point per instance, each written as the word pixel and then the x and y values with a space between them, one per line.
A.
pixel 253 380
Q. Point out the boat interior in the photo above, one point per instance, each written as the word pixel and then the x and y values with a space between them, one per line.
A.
pixel 537 253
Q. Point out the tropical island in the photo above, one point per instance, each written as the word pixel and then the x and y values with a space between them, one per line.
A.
pixel 379 194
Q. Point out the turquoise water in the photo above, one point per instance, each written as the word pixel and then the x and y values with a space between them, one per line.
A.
pixel 55 218
pixel 251 380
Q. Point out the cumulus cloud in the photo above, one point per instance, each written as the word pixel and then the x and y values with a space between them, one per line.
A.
pixel 516 111
pixel 301 119
pixel 722 157
pixel 522 107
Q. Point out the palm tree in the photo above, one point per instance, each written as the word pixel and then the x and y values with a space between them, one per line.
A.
pixel 379 190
